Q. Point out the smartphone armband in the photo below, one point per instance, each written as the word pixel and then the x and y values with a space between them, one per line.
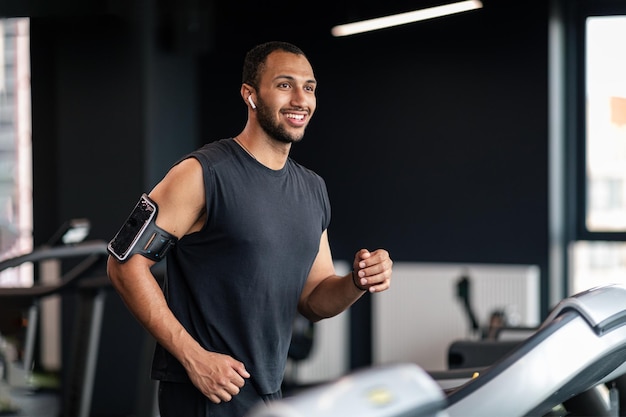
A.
pixel 141 235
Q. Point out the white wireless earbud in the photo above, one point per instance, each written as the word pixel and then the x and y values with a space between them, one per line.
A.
pixel 251 102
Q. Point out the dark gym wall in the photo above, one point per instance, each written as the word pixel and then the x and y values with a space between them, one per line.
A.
pixel 88 160
pixel 102 84
pixel 432 137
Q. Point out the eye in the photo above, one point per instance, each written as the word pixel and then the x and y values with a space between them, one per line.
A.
pixel 284 85
pixel 310 88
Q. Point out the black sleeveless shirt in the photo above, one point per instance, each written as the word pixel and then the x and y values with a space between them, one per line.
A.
pixel 235 284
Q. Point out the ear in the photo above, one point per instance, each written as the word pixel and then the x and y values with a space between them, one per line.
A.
pixel 246 94
pixel 251 102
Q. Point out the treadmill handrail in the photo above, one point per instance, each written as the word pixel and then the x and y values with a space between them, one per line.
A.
pixel 600 306
pixel 94 247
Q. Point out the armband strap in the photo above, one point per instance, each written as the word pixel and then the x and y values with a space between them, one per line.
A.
pixel 141 235
pixel 154 242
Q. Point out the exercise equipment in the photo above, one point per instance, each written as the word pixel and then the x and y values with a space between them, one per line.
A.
pixel 463 354
pixel 578 350
pixel 579 346
pixel 398 390
pixel 88 264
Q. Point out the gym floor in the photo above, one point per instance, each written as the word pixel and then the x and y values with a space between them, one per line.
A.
pixel 24 402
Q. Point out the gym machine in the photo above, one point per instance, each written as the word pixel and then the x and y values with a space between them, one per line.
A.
pixel 88 277
pixel 399 390
pixel 561 369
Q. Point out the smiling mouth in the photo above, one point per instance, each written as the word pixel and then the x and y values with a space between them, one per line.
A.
pixel 293 116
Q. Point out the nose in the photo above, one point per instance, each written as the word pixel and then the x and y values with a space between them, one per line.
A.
pixel 302 99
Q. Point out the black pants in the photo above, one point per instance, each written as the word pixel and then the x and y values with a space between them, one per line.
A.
pixel 185 400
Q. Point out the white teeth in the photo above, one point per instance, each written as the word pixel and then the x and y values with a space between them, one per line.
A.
pixel 295 116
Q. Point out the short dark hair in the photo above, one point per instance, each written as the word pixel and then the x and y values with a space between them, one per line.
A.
pixel 254 61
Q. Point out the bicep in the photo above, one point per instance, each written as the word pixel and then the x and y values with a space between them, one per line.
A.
pixel 180 198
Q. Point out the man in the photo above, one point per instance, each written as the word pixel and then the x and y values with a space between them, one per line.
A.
pixel 247 228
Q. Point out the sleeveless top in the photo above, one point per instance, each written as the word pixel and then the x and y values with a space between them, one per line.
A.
pixel 235 284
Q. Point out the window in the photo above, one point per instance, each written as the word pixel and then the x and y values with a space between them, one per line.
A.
pixel 605 69
pixel 15 149
pixel 598 251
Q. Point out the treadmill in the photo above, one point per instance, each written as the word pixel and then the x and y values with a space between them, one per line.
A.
pixel 579 347
pixel 87 276
pixel 398 390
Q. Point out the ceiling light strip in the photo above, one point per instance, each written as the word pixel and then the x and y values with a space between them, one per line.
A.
pixel 404 18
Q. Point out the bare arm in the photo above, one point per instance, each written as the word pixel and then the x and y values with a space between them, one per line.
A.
pixel 180 199
pixel 327 294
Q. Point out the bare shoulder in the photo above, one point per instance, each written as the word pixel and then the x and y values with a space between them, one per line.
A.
pixel 180 197
pixel 188 166
pixel 184 177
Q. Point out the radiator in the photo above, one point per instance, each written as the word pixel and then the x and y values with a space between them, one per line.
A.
pixel 418 318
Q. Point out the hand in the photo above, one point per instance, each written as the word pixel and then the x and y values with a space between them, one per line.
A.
pixel 373 269
pixel 219 377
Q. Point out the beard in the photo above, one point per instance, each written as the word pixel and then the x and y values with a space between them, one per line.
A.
pixel 274 130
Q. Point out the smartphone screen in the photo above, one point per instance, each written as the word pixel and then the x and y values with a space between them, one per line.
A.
pixel 130 232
